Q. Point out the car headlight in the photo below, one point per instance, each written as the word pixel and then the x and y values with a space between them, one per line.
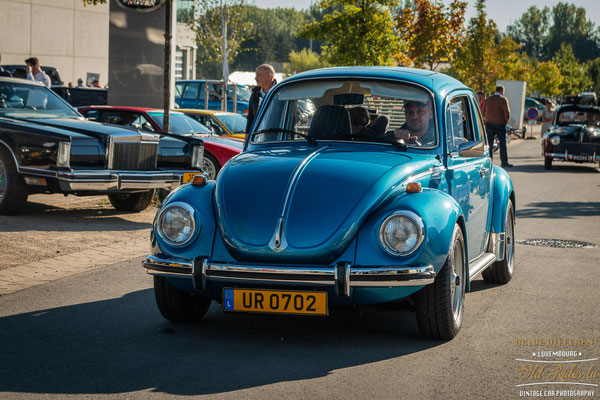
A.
pixel 175 224
pixel 555 140
pixel 63 156
pixel 401 233
pixel 197 156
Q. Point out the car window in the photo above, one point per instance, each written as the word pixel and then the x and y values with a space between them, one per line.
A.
pixel 91 115
pixel 32 101
pixel 579 116
pixel 350 110
pixel 458 129
pixel 179 87
pixel 191 91
pixel 141 122
pixel 235 123
pixel 181 124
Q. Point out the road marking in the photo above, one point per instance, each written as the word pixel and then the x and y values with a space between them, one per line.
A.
pixel 39 272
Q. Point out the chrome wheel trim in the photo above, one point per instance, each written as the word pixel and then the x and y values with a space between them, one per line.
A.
pixel 2 181
pixel 457 273
pixel 510 242
pixel 210 169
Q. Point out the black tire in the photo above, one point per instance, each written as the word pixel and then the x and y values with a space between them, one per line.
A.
pixel 131 202
pixel 177 305
pixel 440 306
pixel 13 191
pixel 211 166
pixel 502 271
pixel 547 162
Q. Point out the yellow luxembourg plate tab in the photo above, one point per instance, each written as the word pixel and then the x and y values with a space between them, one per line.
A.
pixel 275 301
pixel 188 176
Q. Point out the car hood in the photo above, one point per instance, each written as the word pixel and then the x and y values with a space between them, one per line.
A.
pixel 305 205
pixel 577 133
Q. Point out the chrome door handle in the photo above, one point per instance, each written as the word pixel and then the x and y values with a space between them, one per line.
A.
pixel 483 171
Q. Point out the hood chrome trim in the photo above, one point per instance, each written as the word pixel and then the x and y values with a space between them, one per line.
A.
pixel 278 242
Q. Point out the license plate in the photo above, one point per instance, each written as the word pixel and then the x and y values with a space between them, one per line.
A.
pixel 188 176
pixel 275 301
pixel 579 157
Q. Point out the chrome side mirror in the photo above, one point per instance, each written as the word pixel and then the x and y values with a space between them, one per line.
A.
pixel 471 149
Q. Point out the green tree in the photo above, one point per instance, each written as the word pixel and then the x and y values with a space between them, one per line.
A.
pixel 570 26
pixel 546 79
pixel 574 74
pixel 303 60
pixel 593 68
pixel 512 64
pixel 432 32
pixel 531 31
pixel 476 64
pixel 358 32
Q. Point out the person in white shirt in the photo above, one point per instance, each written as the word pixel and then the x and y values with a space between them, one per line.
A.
pixel 35 73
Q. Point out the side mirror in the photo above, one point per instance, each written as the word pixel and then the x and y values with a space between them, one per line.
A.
pixel 471 149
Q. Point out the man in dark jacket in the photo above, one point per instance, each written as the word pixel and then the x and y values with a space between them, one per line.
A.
pixel 265 80
pixel 496 114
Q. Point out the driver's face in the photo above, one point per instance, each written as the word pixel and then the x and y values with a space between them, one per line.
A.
pixel 417 117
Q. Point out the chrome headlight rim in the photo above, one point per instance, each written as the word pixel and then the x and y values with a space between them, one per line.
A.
pixel 63 154
pixel 197 156
pixel 189 210
pixel 418 221
pixel 555 140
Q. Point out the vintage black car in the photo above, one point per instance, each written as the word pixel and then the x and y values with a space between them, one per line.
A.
pixel 46 146
pixel 575 135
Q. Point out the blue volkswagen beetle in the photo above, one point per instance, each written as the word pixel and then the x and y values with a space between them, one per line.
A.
pixel 357 186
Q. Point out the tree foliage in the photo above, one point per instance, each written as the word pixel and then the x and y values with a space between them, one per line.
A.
pixel 546 79
pixel 573 73
pixel 531 31
pixel 357 32
pixel 431 32
pixel 571 26
pixel 303 60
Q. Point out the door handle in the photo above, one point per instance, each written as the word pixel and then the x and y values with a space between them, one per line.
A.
pixel 483 171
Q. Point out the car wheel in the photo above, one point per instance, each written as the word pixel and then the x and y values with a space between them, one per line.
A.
pixel 211 166
pixel 178 305
pixel 13 191
pixel 547 162
pixel 131 202
pixel 502 271
pixel 439 306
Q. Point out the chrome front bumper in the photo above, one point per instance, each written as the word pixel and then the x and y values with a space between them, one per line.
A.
pixel 108 181
pixel 573 157
pixel 341 276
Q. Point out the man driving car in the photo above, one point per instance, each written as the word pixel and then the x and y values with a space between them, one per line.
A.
pixel 418 128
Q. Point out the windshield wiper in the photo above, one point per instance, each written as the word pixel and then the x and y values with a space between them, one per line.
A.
pixel 310 139
pixel 396 142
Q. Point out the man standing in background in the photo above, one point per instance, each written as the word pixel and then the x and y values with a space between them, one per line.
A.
pixel 496 114
pixel 4 72
pixel 265 80
pixel 35 73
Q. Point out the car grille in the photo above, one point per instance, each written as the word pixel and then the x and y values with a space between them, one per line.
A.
pixel 134 156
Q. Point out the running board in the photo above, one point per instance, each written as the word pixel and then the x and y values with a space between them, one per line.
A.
pixel 478 266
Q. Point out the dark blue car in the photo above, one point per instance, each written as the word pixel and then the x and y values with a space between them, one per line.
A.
pixel 192 94
pixel 359 186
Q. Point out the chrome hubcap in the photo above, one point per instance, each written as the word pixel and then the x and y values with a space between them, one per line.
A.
pixel 456 282
pixel 2 181
pixel 209 169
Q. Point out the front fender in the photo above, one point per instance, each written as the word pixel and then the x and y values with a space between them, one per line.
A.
pixel 200 198
pixel 503 192
pixel 439 212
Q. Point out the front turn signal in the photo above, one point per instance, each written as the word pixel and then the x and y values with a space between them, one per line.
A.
pixel 199 180
pixel 414 187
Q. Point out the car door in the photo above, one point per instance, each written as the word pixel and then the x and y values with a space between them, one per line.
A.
pixel 192 95
pixel 469 168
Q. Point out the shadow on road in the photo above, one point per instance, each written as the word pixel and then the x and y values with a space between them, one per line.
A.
pixel 559 210
pixel 556 168
pixel 123 344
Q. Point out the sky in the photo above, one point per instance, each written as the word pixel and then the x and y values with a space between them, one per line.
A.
pixel 503 12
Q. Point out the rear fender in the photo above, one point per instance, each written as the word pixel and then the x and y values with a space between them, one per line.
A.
pixel 503 192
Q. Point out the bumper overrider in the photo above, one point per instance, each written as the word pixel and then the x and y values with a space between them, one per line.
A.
pixel 109 180
pixel 342 276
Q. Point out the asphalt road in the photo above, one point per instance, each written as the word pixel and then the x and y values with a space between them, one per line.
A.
pixel 98 334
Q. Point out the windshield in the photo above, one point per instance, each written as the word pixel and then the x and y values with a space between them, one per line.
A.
pixel 243 93
pixel 181 124
pixel 579 116
pixel 20 100
pixel 350 110
pixel 235 123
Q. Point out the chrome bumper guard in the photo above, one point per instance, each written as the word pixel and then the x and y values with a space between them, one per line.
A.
pixel 573 157
pixel 342 276
pixel 108 181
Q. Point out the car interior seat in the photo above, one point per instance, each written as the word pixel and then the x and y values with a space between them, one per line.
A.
pixel 330 122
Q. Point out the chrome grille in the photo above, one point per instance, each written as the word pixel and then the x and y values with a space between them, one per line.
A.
pixel 139 156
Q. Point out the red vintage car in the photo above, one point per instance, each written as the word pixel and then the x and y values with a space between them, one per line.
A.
pixel 217 150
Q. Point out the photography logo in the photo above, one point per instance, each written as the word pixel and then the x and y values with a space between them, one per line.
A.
pixel 558 368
